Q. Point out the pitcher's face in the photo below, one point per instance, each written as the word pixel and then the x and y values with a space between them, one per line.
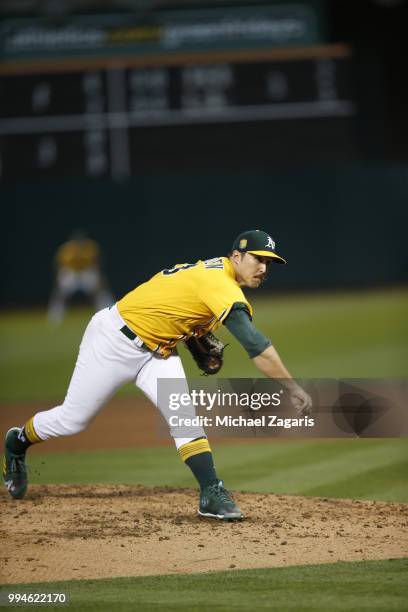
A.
pixel 250 270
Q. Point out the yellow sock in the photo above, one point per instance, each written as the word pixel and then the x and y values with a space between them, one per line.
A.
pixel 30 432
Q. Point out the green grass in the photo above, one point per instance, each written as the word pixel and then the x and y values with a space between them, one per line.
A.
pixel 37 358
pixel 362 469
pixel 348 335
pixel 370 586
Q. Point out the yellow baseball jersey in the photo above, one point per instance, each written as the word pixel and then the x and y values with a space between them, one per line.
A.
pixel 187 300
pixel 78 255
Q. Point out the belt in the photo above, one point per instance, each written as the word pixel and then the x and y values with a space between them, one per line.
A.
pixel 134 337
pixel 128 332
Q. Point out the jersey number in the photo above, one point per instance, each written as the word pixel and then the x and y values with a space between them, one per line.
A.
pixel 177 269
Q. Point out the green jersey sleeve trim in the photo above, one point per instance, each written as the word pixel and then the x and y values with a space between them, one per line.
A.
pixel 239 323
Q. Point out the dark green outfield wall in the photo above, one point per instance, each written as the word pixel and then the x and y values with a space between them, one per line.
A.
pixel 338 225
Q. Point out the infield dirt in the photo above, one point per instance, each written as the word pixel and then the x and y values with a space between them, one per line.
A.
pixel 66 532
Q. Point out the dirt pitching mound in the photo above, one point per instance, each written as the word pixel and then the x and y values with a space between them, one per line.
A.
pixel 65 532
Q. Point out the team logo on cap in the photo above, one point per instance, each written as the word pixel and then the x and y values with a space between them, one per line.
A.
pixel 243 243
pixel 270 244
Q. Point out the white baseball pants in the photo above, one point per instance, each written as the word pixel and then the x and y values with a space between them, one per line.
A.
pixel 107 360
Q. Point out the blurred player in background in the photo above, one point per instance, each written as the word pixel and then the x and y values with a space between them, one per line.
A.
pixel 78 270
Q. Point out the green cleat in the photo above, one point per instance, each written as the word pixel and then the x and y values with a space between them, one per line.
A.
pixel 217 502
pixel 14 467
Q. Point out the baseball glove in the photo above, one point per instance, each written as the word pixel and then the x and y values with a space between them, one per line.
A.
pixel 207 352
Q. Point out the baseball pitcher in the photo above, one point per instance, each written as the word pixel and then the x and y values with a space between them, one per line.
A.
pixel 136 340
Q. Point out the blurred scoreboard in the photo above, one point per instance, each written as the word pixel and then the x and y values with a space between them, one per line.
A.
pixel 93 117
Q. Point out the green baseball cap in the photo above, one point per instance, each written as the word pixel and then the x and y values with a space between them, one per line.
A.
pixel 257 243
